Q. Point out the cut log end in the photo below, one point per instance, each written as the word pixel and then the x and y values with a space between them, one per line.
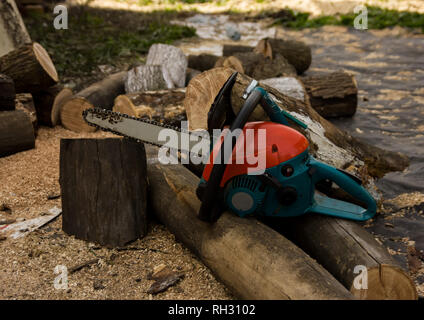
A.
pixel 45 61
pixel 387 282
pixel 71 115
pixel 124 105
pixel 60 99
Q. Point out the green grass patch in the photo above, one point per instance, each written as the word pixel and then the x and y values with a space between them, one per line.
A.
pixel 96 37
pixel 378 18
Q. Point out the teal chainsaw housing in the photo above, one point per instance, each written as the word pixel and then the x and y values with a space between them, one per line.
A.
pixel 295 195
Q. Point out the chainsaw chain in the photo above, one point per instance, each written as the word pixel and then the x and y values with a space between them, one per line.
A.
pixel 117 116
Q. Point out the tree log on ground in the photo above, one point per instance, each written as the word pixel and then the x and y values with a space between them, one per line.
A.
pixel 99 95
pixel 257 66
pixel 49 102
pixel 164 106
pixel 340 245
pixel 7 93
pixel 297 53
pixel 202 62
pixel 103 189
pixel 145 78
pixel 231 49
pixel 13 33
pixel 251 259
pixel 16 132
pixel 25 102
pixel 30 67
pixel 173 62
pixel 333 95
pixel 327 142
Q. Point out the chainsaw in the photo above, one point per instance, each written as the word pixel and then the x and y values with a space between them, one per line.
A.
pixel 284 187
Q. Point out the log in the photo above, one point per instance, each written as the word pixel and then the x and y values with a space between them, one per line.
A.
pixel 231 49
pixel 297 53
pixel 16 132
pixel 103 190
pixel 99 95
pixel 251 259
pixel 288 86
pixel 25 102
pixel 333 95
pixel 165 106
pixel 327 143
pixel 49 102
pixel 13 33
pixel 256 66
pixel 173 62
pixel 339 245
pixel 7 93
pixel 202 62
pixel 30 67
pixel 145 78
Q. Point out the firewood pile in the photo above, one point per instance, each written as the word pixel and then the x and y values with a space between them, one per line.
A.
pixel 253 259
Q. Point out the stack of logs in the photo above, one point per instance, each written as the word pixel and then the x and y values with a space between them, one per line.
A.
pixel 29 92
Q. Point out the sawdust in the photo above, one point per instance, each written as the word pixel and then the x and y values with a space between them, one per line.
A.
pixel 27 264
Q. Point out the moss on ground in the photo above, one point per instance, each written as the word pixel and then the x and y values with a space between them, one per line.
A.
pixel 102 37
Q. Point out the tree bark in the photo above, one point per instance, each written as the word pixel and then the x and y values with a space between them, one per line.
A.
pixel 49 102
pixel 99 95
pixel 13 33
pixel 16 132
pixel 7 93
pixel 231 49
pixel 25 102
pixel 165 106
pixel 327 142
pixel 333 95
pixel 250 258
pixel 202 62
pixel 145 78
pixel 30 67
pixel 173 62
pixel 297 53
pixel 103 187
pixel 340 245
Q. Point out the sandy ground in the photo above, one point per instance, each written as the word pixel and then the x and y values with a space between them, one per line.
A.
pixel 27 264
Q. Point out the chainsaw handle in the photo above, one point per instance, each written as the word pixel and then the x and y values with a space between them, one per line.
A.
pixel 210 209
pixel 320 171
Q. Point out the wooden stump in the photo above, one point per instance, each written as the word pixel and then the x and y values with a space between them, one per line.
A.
pixel 16 132
pixel 164 106
pixel 103 186
pixel 340 245
pixel 333 95
pixel 297 53
pixel 145 78
pixel 7 93
pixel 49 102
pixel 202 62
pixel 30 67
pixel 173 62
pixel 25 102
pixel 99 95
pixel 251 259
pixel 13 33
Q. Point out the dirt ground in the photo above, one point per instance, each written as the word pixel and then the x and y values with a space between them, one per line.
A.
pixel 27 264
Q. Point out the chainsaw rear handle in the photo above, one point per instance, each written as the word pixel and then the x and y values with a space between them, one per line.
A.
pixel 320 171
pixel 211 207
